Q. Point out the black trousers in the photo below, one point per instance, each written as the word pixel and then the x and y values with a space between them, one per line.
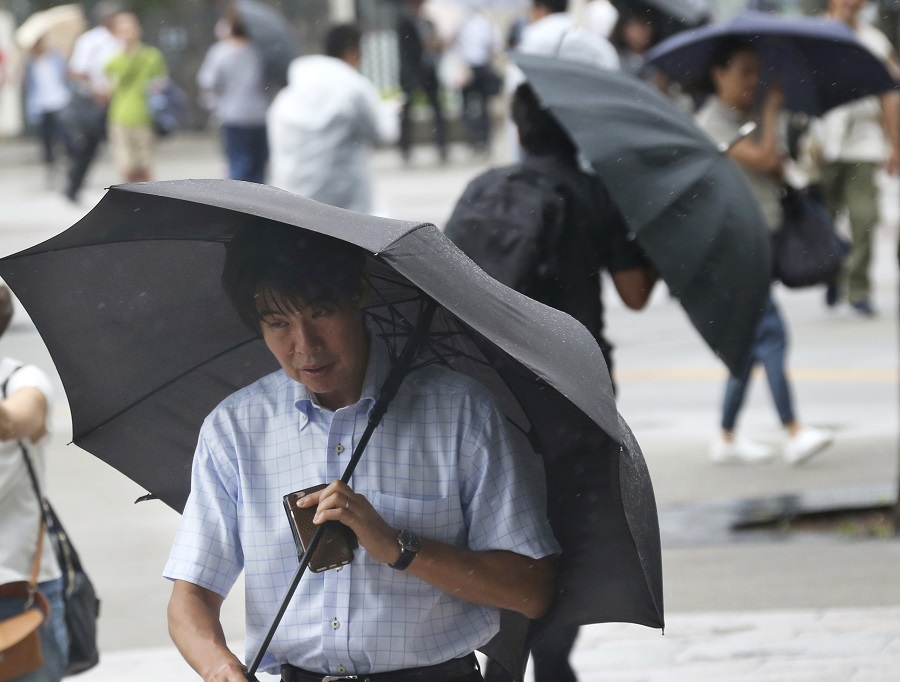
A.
pixel 52 131
pixel 476 116
pixel 550 658
pixel 429 86
pixel 84 150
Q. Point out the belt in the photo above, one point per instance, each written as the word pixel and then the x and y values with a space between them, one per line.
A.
pixel 442 672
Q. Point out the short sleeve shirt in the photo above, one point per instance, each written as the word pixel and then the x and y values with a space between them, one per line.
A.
pixel 442 464
pixel 19 510
pixel 130 75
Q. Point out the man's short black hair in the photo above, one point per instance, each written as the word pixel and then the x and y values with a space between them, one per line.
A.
pixel 290 266
pixel 553 6
pixel 342 38
pixel 539 132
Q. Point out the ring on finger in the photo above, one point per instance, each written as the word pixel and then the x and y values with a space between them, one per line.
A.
pixel 347 504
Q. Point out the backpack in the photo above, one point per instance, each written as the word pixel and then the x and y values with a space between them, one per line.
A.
pixel 509 221
pixel 169 106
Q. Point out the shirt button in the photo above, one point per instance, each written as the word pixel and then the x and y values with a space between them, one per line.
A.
pixel 335 624
pixel 339 448
pixel 341 669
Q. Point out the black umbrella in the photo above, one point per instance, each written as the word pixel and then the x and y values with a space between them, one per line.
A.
pixel 129 304
pixel 819 63
pixel 273 36
pixel 689 206
pixel 671 16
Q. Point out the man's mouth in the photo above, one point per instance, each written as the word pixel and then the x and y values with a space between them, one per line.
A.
pixel 314 370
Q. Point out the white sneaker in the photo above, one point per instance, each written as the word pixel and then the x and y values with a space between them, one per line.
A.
pixel 738 451
pixel 808 441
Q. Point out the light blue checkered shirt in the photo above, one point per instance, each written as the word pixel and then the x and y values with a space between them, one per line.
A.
pixel 442 463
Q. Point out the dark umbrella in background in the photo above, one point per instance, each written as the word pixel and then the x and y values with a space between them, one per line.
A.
pixel 129 304
pixel 688 205
pixel 819 63
pixel 670 16
pixel 273 36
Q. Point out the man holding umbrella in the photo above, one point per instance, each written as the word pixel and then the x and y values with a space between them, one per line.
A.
pixel 449 513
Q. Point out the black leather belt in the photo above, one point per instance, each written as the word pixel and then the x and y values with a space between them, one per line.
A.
pixel 442 672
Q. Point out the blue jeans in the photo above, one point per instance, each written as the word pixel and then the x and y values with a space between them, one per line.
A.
pixel 769 349
pixel 54 638
pixel 247 150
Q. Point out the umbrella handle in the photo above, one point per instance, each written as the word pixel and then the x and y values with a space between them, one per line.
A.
pixel 411 350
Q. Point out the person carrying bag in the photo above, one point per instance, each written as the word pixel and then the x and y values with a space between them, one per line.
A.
pixel 20 637
pixel 64 619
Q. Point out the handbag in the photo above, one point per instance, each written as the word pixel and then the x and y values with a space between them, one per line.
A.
pixel 82 606
pixel 807 249
pixel 168 106
pixel 20 636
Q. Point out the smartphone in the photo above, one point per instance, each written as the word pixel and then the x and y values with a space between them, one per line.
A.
pixel 336 546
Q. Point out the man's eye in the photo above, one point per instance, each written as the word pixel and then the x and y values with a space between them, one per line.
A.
pixel 275 324
pixel 321 312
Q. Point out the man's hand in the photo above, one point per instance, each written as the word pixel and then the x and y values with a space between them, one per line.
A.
pixel 195 628
pixel 492 578
pixel 892 166
pixel 338 502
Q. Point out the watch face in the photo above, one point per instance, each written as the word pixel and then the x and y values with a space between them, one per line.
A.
pixel 409 541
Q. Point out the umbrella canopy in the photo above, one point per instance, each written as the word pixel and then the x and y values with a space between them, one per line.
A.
pixel 819 63
pixel 673 14
pixel 273 36
pixel 58 26
pixel 689 206
pixel 129 304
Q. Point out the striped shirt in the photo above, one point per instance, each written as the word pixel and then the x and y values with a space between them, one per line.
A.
pixel 442 463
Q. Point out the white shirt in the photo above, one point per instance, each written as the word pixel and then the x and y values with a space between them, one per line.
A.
pixel 51 90
pixel 92 53
pixel 600 17
pixel 854 132
pixel 476 40
pixel 556 35
pixel 442 463
pixel 20 514
pixel 321 128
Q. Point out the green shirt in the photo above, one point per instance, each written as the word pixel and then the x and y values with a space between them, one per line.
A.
pixel 130 73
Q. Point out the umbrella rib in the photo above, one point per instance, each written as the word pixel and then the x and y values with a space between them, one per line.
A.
pixel 161 388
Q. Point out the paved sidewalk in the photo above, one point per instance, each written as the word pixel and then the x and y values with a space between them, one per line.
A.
pixel 822 645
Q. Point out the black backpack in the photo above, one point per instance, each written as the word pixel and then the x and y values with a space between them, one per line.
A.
pixel 509 221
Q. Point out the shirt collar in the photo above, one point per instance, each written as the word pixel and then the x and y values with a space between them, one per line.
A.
pixel 377 367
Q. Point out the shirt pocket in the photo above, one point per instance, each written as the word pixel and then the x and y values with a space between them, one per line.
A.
pixel 437 519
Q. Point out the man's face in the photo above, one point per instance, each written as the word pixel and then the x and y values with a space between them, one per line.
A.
pixel 737 82
pixel 323 347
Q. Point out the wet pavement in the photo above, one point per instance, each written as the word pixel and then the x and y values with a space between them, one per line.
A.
pixel 740 606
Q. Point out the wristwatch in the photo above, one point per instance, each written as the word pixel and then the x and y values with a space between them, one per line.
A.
pixel 410 544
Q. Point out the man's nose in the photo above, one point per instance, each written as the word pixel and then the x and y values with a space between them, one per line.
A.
pixel 305 339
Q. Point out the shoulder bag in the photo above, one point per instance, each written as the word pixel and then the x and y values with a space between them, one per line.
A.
pixel 20 637
pixel 807 249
